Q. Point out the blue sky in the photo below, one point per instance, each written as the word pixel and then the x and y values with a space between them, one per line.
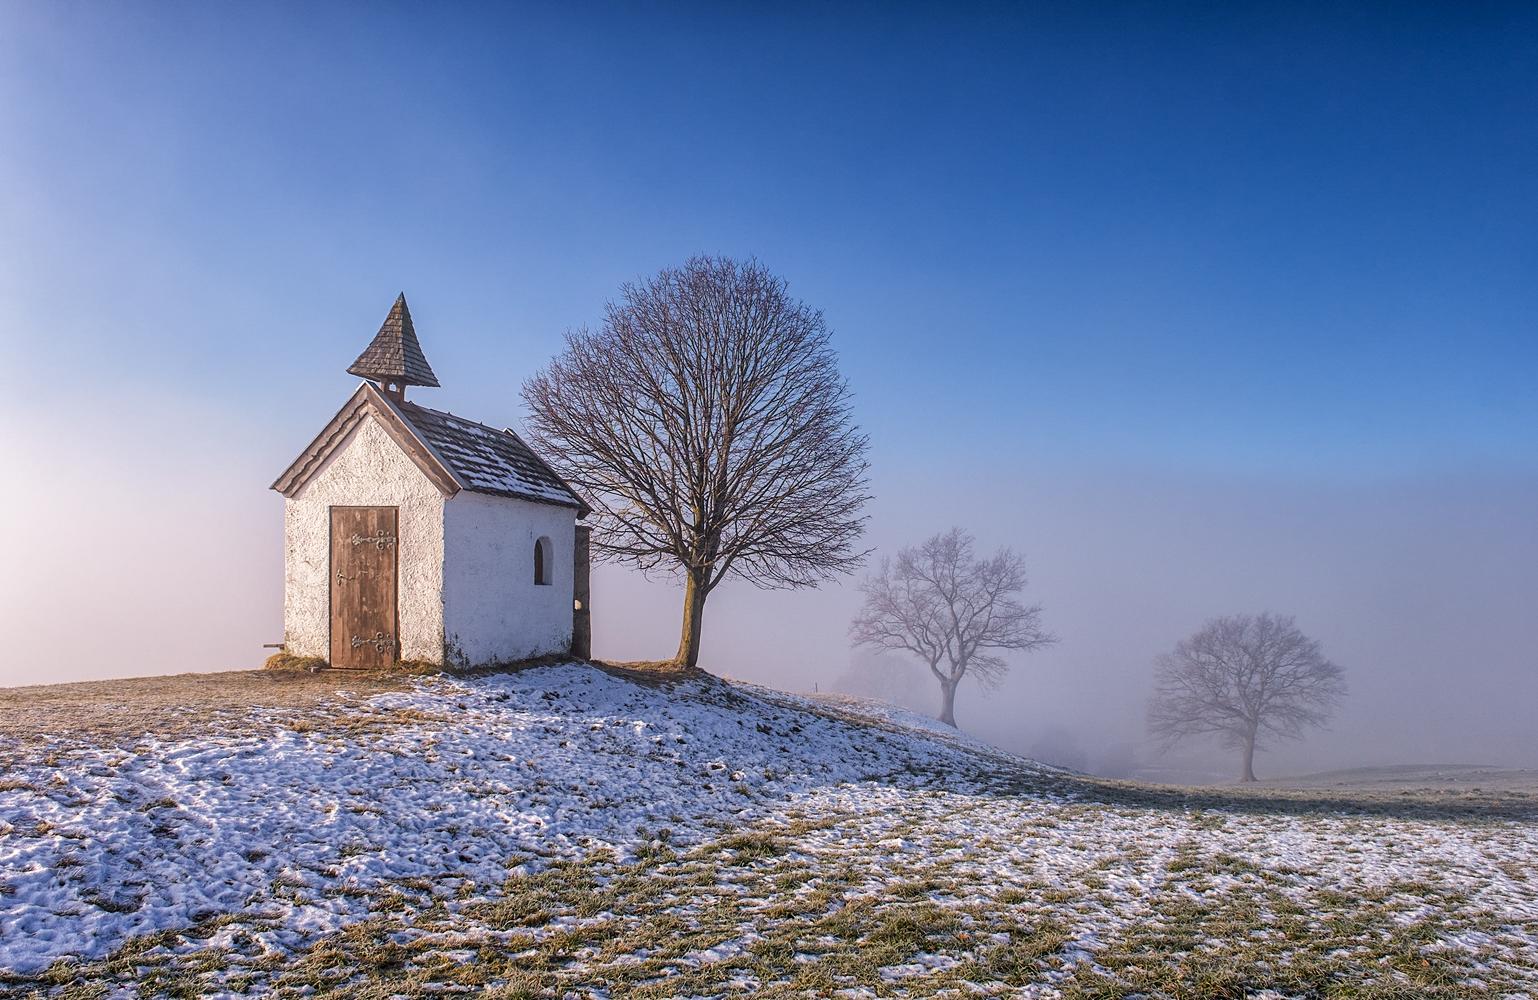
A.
pixel 1224 238
pixel 1196 250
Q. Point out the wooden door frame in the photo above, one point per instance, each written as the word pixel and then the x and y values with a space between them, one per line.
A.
pixel 331 570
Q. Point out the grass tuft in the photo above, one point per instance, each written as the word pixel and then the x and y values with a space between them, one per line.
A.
pixel 288 662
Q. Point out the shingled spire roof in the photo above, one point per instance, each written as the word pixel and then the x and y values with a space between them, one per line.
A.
pixel 395 356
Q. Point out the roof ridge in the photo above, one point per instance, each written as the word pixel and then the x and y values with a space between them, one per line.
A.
pixel 454 416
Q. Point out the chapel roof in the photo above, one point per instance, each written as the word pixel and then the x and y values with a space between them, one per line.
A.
pixel 395 355
pixel 454 453
pixel 487 460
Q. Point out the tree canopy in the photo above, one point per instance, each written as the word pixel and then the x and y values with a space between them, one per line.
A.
pixel 950 609
pixel 708 426
pixel 1244 678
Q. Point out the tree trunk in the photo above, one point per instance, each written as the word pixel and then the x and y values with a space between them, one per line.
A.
pixel 1249 758
pixel 948 703
pixel 694 617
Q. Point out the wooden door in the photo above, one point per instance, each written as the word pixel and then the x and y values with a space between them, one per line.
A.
pixel 364 546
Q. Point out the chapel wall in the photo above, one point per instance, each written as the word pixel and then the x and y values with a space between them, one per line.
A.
pixel 367 470
pixel 494 612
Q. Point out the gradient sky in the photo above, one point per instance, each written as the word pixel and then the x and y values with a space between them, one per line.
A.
pixel 1206 308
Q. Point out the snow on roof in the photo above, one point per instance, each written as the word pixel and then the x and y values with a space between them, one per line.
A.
pixel 486 460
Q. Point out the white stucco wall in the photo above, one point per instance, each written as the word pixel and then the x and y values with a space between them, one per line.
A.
pixel 493 610
pixel 368 470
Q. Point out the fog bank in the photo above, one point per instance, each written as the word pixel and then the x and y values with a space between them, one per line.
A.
pixel 153 546
pixel 1421 587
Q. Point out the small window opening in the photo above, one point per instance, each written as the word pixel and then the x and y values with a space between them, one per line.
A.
pixel 542 562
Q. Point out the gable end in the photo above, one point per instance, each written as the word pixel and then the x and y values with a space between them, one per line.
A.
pixel 367 402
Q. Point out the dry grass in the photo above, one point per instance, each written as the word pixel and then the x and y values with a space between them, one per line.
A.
pixel 1445 779
pixel 179 705
pixel 820 901
pixel 1407 804
pixel 791 912
pixel 651 671
pixel 176 705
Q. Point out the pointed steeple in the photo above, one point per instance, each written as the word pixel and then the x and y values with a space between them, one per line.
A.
pixel 395 357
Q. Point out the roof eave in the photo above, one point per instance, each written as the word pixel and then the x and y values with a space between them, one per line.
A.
pixel 573 502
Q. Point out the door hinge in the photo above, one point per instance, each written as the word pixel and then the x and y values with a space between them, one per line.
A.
pixel 381 642
pixel 379 538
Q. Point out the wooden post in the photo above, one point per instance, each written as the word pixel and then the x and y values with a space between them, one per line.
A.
pixel 581 614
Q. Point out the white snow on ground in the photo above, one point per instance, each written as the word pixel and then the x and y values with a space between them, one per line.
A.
pixel 1081 850
pixel 461 782
pixel 457 778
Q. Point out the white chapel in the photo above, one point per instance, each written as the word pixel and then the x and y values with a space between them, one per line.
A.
pixel 414 534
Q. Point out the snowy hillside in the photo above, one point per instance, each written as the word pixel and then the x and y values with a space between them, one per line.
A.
pixel 561 832
pixel 466 778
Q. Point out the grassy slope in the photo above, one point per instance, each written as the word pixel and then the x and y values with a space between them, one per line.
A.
pixel 116 711
pixel 1045 884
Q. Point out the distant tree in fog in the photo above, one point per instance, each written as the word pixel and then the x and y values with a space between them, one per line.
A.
pixel 940 604
pixel 1243 678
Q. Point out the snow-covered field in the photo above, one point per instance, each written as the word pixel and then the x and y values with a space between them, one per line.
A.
pixel 563 832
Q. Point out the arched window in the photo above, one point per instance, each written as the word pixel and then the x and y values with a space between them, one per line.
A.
pixel 544 564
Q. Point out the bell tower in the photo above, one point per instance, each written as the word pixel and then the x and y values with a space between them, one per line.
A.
pixel 395 358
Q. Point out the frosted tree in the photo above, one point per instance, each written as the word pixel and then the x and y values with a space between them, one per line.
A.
pixel 1245 679
pixel 950 610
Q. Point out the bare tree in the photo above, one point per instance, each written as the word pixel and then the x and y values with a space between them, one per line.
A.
pixel 939 603
pixel 708 426
pixel 1244 678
